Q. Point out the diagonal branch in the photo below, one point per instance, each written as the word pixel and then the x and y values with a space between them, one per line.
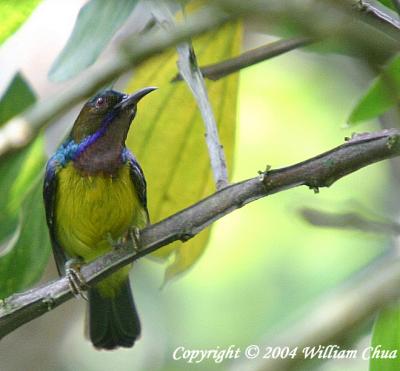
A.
pixel 375 10
pixel 218 70
pixel 320 171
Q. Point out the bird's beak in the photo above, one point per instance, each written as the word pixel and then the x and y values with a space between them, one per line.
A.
pixel 132 99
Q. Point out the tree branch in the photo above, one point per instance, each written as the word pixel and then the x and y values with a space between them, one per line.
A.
pixel 218 70
pixel 341 20
pixel 320 171
pixel 375 10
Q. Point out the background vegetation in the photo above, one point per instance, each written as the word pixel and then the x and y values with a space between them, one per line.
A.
pixel 261 267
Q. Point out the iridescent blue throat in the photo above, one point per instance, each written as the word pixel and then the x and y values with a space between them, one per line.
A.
pixel 70 150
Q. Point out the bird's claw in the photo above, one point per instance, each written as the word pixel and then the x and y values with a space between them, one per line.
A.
pixel 134 234
pixel 76 281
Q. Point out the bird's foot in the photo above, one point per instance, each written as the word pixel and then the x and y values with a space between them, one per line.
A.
pixel 116 243
pixel 75 279
pixel 134 235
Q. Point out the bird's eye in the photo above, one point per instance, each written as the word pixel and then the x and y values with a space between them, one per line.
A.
pixel 100 102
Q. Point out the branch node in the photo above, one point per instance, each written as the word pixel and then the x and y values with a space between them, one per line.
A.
pixel 361 6
pixel 392 140
pixel 314 188
pixel 222 183
pixel 49 302
pixel 185 236
pixel 264 174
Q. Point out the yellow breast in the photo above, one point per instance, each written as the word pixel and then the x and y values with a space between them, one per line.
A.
pixel 90 211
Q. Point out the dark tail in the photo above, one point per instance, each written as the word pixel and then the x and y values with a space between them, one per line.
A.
pixel 113 322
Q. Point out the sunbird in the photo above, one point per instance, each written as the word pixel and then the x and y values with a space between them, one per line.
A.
pixel 95 194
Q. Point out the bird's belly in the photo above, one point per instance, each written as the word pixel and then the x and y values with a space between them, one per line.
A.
pixel 91 211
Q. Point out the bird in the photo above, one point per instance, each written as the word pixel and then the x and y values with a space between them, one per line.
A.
pixel 94 195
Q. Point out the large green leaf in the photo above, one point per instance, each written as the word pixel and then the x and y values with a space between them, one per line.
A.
pixel 13 14
pixel 23 234
pixel 168 136
pixel 383 94
pixel 17 97
pixel 97 22
pixel 386 336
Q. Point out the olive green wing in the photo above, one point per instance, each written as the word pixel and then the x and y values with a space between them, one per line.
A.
pixel 139 182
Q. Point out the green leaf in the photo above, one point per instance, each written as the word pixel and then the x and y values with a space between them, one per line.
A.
pixel 21 226
pixel 22 263
pixel 17 172
pixel 13 14
pixel 97 22
pixel 383 94
pixel 17 97
pixel 386 336
pixel 168 136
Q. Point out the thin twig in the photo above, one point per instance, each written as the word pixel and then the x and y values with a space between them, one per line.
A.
pixel 380 13
pixel 349 220
pixel 320 171
pixel 189 69
pixel 218 70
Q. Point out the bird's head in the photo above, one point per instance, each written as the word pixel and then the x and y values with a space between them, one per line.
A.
pixel 107 115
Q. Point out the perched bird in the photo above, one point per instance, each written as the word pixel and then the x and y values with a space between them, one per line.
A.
pixel 94 194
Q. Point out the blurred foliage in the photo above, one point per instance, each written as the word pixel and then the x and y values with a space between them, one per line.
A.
pixel 96 24
pixel 171 135
pixel 386 337
pixel 29 252
pixel 22 223
pixel 13 15
pixel 17 97
pixel 383 94
pixel 263 252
